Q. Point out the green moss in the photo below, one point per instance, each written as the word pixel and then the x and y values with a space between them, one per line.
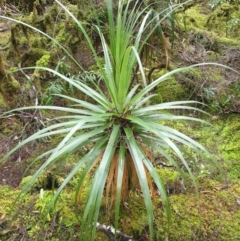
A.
pixel 43 61
pixel 194 18
pixel 230 145
pixel 31 56
pixel 3 103
pixel 228 41
pixel 8 83
pixel 7 195
pixel 4 37
pixel 212 216
pixel 11 126
pixel 49 16
pixel 168 175
pixel 38 42
pixel 37 57
pixel 221 19
pixel 216 24
pixel 62 36
pixel 169 90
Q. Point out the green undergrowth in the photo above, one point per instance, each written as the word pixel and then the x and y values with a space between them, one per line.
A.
pixel 211 214
pixel 230 145
pixel 222 22
pixel 221 138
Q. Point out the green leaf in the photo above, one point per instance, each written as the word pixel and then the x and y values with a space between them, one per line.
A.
pixel 87 160
pixel 92 208
pixel 138 159
pixel 121 164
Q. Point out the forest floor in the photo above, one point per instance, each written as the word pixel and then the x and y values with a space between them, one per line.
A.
pixel 215 215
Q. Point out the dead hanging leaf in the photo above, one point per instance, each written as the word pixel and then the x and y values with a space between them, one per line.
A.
pixel 130 179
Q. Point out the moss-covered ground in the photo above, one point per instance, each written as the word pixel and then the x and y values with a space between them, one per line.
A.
pixel 212 213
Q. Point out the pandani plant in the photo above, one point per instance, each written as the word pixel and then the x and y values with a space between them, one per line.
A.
pixel 119 124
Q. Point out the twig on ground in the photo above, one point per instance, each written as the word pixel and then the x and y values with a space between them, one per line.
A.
pixel 110 232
